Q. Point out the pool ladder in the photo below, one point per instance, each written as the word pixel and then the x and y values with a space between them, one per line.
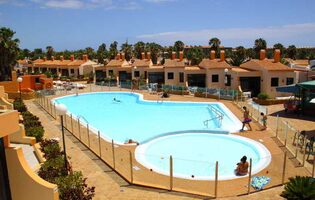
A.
pixel 80 116
pixel 219 116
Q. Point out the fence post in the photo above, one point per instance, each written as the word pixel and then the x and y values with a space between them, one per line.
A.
pixel 71 123
pixel 313 171
pixel 79 128
pixel 216 179
pixel 131 169
pixel 304 152
pixel 206 92
pixel 277 129
pixel 55 111
pixel 284 166
pixel 90 87
pixel 171 173
pixel 219 94
pixel 113 150
pixel 286 134
pixel 249 175
pixel 99 143
pixel 88 134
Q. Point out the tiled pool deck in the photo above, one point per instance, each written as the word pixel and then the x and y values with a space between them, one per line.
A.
pixel 111 186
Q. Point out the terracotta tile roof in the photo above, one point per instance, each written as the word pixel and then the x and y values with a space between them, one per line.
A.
pixel 214 64
pixel 77 63
pixel 141 63
pixel 300 62
pixel 266 64
pixel 193 68
pixel 22 61
pixel 115 63
pixel 39 60
pixel 174 63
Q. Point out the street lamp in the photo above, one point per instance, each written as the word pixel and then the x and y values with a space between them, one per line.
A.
pixel 19 80
pixel 61 111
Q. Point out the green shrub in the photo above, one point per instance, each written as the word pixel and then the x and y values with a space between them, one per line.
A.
pixel 74 186
pixel 50 148
pixel 52 169
pixel 263 96
pixel 299 188
pixel 37 132
pixel 19 105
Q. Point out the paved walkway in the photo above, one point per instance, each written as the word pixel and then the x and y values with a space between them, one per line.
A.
pixel 108 184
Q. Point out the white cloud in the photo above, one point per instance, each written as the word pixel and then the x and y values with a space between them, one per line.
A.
pixel 305 33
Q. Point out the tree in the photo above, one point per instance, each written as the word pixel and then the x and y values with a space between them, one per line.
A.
pixel 127 49
pixel 49 52
pixel 260 43
pixel 101 53
pixel 179 46
pixel 215 44
pixel 37 53
pixel 280 47
pixel 9 50
pixel 25 53
pixel 195 55
pixel 299 188
pixel 291 51
pixel 238 56
pixel 302 54
pixel 113 50
pixel 155 50
pixel 139 47
pixel 90 52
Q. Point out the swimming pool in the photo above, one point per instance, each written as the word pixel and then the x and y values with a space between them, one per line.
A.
pixel 170 128
pixel 194 155
pixel 140 120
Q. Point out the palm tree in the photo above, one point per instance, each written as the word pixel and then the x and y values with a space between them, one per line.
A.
pixel 90 52
pixel 155 50
pixel 9 50
pixel 179 46
pixel 139 47
pixel 49 52
pixel 299 188
pixel 291 51
pixel 260 43
pixel 113 50
pixel 127 49
pixel 238 56
pixel 101 53
pixel 195 55
pixel 215 43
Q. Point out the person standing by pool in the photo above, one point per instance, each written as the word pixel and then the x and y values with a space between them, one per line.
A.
pixel 246 120
pixel 264 121
pixel 242 167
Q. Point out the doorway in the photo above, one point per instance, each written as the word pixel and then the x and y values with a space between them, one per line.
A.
pixel 250 84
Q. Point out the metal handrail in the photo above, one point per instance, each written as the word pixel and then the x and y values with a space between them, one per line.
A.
pixel 80 116
pixel 219 115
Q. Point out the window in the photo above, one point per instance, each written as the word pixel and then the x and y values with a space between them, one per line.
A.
pixel 72 71
pixel 37 80
pixel 170 75
pixel 290 81
pixel 145 74
pixel 274 82
pixel 215 78
pixel 181 77
pixel 136 73
pixel 110 72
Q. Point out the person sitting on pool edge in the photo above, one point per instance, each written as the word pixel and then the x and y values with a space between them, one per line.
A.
pixel 242 167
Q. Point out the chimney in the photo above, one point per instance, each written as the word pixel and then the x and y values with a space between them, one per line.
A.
pixel 142 56
pixel 181 56
pixel 118 56
pixel 212 54
pixel 72 57
pixel 122 56
pixel 52 58
pixel 276 55
pixel 222 55
pixel 148 56
pixel 45 58
pixel 173 55
pixel 85 57
pixel 61 58
pixel 262 54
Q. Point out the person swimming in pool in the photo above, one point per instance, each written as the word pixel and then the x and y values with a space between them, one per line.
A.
pixel 116 100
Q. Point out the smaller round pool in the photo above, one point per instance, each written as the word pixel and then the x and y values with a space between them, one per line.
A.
pixel 195 154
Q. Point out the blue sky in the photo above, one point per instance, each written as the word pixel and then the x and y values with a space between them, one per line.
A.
pixel 74 24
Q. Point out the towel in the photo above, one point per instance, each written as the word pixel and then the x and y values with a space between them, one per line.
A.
pixel 258 182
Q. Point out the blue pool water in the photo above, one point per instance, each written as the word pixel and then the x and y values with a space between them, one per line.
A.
pixel 170 128
pixel 134 118
pixel 194 155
